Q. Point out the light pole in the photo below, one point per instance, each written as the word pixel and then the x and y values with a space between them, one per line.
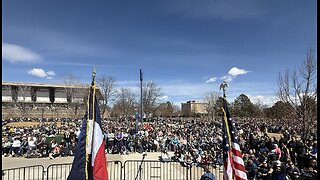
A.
pixel 137 121
pixel 141 100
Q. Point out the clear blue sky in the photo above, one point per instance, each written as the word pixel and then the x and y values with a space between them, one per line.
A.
pixel 187 47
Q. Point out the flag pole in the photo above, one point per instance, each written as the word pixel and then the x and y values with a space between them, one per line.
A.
pixel 90 120
pixel 93 76
pixel 223 86
pixel 90 159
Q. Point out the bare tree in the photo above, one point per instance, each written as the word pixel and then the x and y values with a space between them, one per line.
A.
pixel 210 99
pixel 258 108
pixel 165 109
pixel 125 102
pixel 23 93
pixel 151 94
pixel 107 87
pixel 176 110
pixel 76 93
pixel 300 90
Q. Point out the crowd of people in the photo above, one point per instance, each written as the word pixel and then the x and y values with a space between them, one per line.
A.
pixel 192 141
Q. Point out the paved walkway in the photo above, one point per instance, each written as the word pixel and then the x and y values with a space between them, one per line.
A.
pixel 13 162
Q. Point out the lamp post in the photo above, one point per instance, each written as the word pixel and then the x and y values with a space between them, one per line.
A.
pixel 137 121
pixel 141 100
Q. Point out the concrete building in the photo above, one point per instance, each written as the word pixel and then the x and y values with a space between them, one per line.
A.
pixel 193 108
pixel 32 96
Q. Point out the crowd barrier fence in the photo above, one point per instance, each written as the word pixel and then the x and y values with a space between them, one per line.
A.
pixel 129 170
pixel 35 172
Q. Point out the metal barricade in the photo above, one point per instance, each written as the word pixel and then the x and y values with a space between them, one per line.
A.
pixel 26 173
pixel 62 171
pixel 150 170
pixel 155 170
pixel 197 171
pixel 58 171
pixel 114 170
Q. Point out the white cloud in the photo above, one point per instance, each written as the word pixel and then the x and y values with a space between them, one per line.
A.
pixel 233 72
pixel 181 91
pixel 41 73
pixel 217 9
pixel 14 53
pixel 213 79
pixel 236 71
pixel 268 100
pixel 164 98
pixel 51 73
pixel 227 78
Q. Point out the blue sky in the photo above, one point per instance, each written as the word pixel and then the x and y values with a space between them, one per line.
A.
pixel 187 47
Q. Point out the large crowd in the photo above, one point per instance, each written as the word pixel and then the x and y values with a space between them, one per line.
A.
pixel 193 141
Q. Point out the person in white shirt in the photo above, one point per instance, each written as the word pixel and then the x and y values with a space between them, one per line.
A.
pixel 32 145
pixel 6 145
pixel 110 142
pixel 165 157
pixel 15 146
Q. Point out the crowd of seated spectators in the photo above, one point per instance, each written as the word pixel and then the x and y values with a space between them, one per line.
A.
pixel 192 141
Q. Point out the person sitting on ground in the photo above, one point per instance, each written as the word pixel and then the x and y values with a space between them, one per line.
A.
pixel 32 145
pixel 41 146
pixel 55 152
pixel 15 146
pixel 187 160
pixel 165 156
pixel 6 145
pixel 53 144
pixel 23 146
pixel 72 149
pixel 64 150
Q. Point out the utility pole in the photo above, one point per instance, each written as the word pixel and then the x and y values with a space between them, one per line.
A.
pixel 141 100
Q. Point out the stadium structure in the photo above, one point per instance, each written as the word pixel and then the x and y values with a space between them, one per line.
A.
pixel 35 100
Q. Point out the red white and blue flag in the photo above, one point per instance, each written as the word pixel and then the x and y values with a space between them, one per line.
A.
pixel 90 162
pixel 233 166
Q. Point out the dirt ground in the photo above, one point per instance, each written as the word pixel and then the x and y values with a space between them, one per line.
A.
pixel 27 124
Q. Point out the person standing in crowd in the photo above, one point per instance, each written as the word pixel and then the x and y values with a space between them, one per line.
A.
pixel 278 172
pixel 263 171
pixel 291 170
pixel 252 170
pixel 67 138
pixel 110 142
pixel 292 149
pixel 208 175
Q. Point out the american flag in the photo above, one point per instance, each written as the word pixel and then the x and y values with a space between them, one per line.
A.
pixel 233 166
